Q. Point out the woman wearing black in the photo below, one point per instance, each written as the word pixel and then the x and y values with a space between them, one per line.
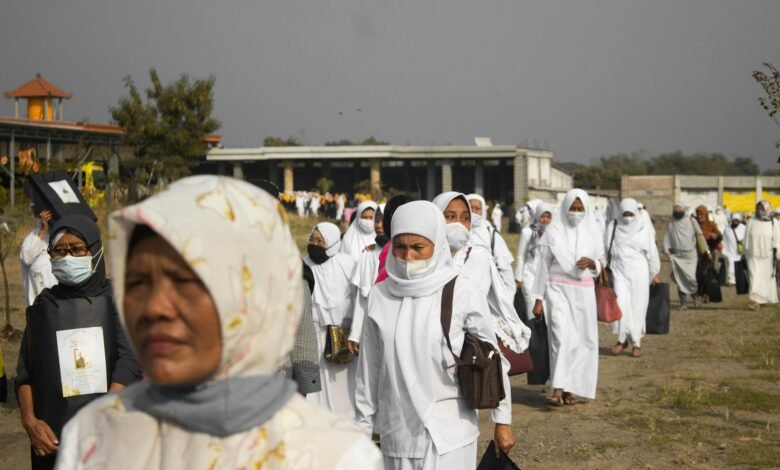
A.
pixel 74 349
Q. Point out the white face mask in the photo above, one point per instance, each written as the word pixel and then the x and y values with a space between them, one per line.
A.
pixel 73 270
pixel 575 217
pixel 457 235
pixel 366 225
pixel 416 269
pixel 476 220
pixel 628 219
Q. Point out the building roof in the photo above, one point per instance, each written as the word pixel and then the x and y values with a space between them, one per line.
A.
pixel 37 87
pixel 67 131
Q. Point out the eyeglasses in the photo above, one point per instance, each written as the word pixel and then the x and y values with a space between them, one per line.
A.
pixel 60 252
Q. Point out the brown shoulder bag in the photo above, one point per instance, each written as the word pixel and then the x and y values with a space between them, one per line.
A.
pixel 479 366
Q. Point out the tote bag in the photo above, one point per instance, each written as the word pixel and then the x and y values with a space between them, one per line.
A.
pixel 741 277
pixel 713 286
pixel 658 310
pixel 540 354
pixel 606 300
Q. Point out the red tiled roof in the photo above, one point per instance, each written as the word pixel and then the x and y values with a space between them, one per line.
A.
pixel 37 87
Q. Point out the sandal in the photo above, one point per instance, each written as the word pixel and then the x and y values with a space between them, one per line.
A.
pixel 619 347
pixel 570 399
pixel 554 400
pixel 754 306
pixel 636 352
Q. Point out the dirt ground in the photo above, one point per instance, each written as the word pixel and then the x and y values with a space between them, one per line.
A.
pixel 705 396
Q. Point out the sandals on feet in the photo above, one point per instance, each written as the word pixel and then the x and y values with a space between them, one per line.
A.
pixel 636 352
pixel 554 400
pixel 619 347
pixel 570 399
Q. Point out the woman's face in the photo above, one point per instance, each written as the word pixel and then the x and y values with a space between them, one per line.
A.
pixel 458 211
pixel 577 206
pixel 545 218
pixel 367 214
pixel 476 206
pixel 379 225
pixel 317 239
pixel 170 316
pixel 69 244
pixel 409 247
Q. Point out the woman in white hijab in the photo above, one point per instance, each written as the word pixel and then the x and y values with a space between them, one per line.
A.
pixel 762 248
pixel 406 388
pixel 360 235
pixel 207 279
pixel 542 218
pixel 733 238
pixel 526 233
pixel 488 236
pixel 496 216
pixel 475 264
pixel 571 255
pixel 635 264
pixel 332 301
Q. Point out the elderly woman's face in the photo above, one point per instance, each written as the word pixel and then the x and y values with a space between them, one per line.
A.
pixel 170 316
pixel 476 206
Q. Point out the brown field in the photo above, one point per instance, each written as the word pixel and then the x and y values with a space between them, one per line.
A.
pixel 705 396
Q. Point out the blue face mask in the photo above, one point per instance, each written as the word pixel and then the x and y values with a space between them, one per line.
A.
pixel 72 270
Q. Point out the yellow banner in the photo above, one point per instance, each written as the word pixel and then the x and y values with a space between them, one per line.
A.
pixel 740 201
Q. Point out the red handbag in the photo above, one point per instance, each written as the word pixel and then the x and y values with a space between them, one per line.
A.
pixel 518 363
pixel 606 300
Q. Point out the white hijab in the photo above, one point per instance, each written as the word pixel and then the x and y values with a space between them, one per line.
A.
pixel 332 278
pixel 568 242
pixel 356 239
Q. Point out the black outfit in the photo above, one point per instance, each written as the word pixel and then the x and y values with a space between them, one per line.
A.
pixel 63 307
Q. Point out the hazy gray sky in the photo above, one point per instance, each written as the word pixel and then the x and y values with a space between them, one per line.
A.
pixel 589 77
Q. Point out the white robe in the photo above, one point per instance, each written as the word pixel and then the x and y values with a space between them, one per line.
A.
pixel 761 238
pixel 522 249
pixel 528 278
pixel 731 238
pixel 363 279
pixel 571 322
pixel 496 216
pixel 387 379
pixel 634 263
pixel 35 266
pixel 332 305
pixel 502 257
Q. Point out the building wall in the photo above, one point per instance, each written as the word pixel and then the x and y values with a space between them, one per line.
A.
pixel 657 193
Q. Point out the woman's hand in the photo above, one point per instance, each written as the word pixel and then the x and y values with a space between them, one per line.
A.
pixel 656 280
pixel 538 308
pixel 504 438
pixel 42 438
pixel 586 263
pixel 353 347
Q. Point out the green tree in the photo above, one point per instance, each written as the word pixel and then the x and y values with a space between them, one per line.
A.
pixel 166 129
pixel 272 141
pixel 771 102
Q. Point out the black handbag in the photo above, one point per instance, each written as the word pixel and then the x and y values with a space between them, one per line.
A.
pixel 658 310
pixel 489 460
pixel 722 272
pixel 480 377
pixel 540 355
pixel 713 286
pixel 741 276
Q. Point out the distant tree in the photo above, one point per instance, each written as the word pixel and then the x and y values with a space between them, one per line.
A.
pixel 373 141
pixel 771 102
pixel 272 141
pixel 339 143
pixel 166 126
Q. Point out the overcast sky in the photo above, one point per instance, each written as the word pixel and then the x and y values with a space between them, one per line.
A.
pixel 590 78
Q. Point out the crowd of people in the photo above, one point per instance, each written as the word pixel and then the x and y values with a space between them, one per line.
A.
pixel 216 345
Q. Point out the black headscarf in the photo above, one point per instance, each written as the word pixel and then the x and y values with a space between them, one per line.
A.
pixel 392 205
pixel 87 230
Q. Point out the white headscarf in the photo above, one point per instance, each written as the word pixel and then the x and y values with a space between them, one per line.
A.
pixel 736 216
pixel 424 219
pixel 568 242
pixel 332 278
pixel 443 200
pixel 356 239
pixel 477 220
pixel 626 230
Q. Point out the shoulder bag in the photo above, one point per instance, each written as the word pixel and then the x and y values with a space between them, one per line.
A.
pixel 607 307
pixel 479 365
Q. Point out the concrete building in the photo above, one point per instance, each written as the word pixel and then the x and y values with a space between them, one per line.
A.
pixel 738 193
pixel 506 173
